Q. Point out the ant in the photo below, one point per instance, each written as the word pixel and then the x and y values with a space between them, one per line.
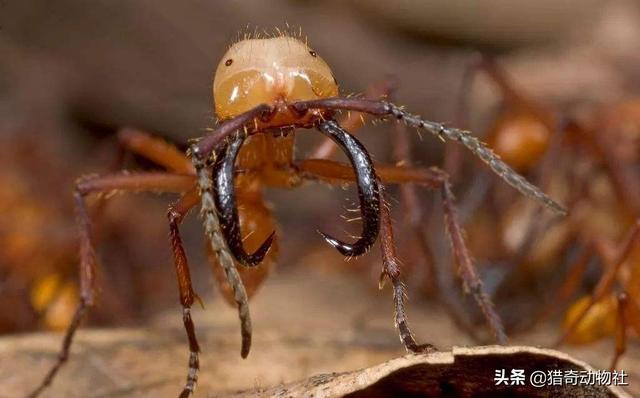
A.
pixel 38 275
pixel 612 306
pixel 594 152
pixel 264 89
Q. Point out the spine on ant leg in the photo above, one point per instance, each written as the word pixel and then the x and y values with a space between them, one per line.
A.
pixel 218 245
pixel 476 146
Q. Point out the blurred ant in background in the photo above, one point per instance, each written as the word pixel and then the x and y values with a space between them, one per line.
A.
pixel 589 159
pixel 38 266
pixel 264 89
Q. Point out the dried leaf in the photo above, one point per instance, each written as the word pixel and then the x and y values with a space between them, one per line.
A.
pixel 462 372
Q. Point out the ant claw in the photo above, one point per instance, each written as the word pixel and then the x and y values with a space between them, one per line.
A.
pixel 346 249
pixel 262 251
pixel 251 260
pixel 225 202
pixel 367 183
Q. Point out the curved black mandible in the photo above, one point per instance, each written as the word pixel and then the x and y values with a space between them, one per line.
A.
pixel 225 201
pixel 367 182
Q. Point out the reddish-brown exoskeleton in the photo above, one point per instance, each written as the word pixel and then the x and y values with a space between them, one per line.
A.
pixel 265 89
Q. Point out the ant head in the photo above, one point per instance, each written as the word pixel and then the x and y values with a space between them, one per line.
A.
pixel 259 71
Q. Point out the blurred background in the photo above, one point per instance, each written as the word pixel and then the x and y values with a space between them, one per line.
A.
pixel 552 85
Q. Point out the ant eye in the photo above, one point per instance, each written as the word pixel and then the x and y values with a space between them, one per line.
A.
pixel 313 53
pixel 228 62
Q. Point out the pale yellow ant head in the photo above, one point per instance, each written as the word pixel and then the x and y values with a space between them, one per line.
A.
pixel 264 71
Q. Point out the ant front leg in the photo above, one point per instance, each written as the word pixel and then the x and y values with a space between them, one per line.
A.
pixel 154 182
pixel 391 270
pixel 334 172
pixel 176 214
pixel 433 178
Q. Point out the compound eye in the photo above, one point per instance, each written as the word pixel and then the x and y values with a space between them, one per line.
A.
pixel 313 53
pixel 228 62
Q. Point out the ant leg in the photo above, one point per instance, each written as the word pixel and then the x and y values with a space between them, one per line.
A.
pixel 155 149
pixel 151 148
pixel 225 200
pixel 383 108
pixel 391 270
pixel 87 288
pixel 607 279
pixel 131 182
pixel 435 179
pixel 621 330
pixel 353 121
pixel 437 282
pixel 177 212
pixel 471 281
pixel 434 278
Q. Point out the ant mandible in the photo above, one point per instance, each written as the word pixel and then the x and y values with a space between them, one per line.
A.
pixel 264 89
